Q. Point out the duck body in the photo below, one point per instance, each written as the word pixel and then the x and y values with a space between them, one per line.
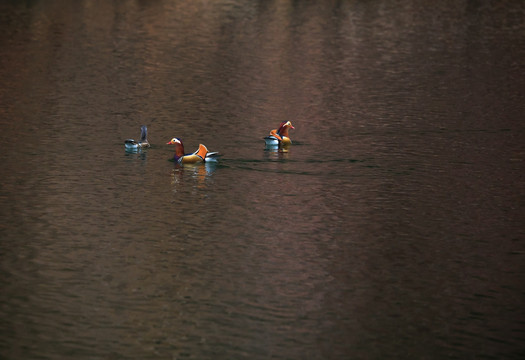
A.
pixel 131 144
pixel 200 156
pixel 279 137
pixel 271 140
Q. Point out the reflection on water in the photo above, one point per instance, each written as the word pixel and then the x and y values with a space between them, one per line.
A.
pixel 391 228
pixel 197 173
pixel 276 152
pixel 138 152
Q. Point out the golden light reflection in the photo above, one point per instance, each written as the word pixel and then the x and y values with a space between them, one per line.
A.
pixel 194 175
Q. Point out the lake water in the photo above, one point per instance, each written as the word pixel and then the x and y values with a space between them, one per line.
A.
pixel 393 228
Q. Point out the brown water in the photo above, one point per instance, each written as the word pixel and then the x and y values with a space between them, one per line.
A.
pixel 392 229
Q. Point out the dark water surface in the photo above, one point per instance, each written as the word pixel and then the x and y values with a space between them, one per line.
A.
pixel 392 229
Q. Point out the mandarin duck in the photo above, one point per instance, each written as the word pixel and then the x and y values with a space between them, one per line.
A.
pixel 279 137
pixel 131 144
pixel 201 155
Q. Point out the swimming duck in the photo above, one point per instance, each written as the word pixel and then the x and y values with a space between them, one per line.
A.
pixel 201 155
pixel 279 137
pixel 131 144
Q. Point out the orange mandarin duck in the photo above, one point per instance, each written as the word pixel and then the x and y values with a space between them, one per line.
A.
pixel 199 156
pixel 279 137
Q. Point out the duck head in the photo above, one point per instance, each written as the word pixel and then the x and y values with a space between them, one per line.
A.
pixel 283 129
pixel 179 147
pixel 174 141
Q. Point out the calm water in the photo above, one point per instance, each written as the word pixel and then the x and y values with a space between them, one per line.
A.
pixel 392 229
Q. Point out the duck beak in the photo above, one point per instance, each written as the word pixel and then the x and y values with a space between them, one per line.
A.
pixel 169 143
